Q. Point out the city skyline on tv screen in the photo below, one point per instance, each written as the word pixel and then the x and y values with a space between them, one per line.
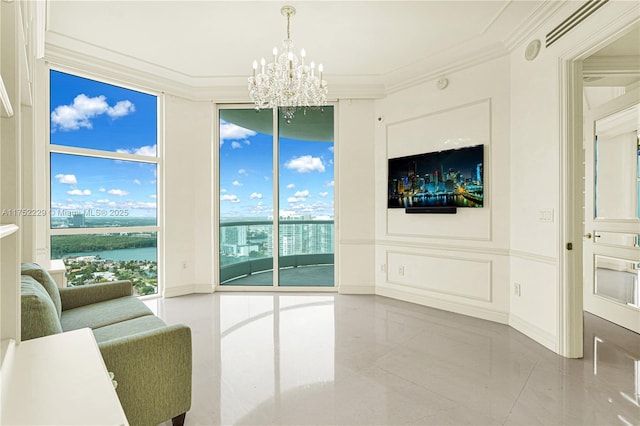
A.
pixel 450 178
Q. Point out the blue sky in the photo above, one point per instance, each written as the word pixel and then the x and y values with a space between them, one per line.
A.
pixel 246 175
pixel 89 114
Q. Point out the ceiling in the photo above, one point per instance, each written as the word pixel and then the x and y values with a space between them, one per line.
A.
pixel 612 70
pixel 209 43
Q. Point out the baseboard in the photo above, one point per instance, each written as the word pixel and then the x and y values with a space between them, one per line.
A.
pixel 458 308
pixel 187 289
pixel 356 289
pixel 546 339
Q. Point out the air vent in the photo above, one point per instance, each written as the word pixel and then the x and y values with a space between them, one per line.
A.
pixel 573 20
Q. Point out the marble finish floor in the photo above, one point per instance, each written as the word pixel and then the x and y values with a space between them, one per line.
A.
pixel 329 359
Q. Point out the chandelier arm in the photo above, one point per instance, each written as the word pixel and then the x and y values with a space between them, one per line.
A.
pixel 287 83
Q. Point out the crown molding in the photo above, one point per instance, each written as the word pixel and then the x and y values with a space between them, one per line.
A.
pixel 423 73
pixel 147 76
pixel 532 23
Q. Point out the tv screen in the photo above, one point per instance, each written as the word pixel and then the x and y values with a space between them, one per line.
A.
pixel 451 178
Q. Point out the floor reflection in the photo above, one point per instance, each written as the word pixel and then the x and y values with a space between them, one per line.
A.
pixel 285 332
pixel 267 359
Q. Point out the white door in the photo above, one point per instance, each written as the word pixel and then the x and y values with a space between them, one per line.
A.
pixel 612 212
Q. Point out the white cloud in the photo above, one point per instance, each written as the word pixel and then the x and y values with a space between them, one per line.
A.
pixel 236 145
pixel 79 192
pixel 118 192
pixel 154 196
pixel 291 186
pixel 223 190
pixel 137 181
pixel 139 205
pixel 242 172
pixel 292 200
pixel 102 190
pixel 236 183
pixel 323 194
pixel 230 132
pixel 230 197
pixel 255 195
pixel 105 201
pixel 305 164
pixel 66 179
pixel 331 148
pixel 121 109
pixel 304 193
pixel 330 183
pixel 83 109
pixel 147 150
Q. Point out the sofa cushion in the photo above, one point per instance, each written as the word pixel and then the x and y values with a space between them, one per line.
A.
pixel 43 277
pixel 104 313
pixel 128 328
pixel 39 317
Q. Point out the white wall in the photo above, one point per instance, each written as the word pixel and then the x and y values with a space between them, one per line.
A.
pixel 355 196
pixel 457 262
pixel 537 166
pixel 187 194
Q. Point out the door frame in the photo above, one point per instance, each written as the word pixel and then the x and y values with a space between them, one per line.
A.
pixel 570 299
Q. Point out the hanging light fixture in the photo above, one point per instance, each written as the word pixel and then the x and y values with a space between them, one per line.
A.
pixel 288 82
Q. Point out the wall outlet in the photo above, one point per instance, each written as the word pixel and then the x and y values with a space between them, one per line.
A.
pixel 401 270
pixel 517 289
pixel 545 215
pixel 383 267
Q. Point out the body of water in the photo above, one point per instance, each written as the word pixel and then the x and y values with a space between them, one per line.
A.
pixel 144 253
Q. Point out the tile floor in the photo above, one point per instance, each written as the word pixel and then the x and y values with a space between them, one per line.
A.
pixel 295 359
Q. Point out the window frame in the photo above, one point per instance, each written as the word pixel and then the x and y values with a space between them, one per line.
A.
pixel 275 287
pixel 110 155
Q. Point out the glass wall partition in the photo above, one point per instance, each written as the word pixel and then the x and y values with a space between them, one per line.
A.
pixel 267 162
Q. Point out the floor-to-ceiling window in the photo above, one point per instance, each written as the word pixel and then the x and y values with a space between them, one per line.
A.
pixel 276 196
pixel 104 182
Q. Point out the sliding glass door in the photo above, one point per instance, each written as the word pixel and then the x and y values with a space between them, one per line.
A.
pixel 266 162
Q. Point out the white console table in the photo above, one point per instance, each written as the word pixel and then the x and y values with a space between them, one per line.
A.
pixel 58 380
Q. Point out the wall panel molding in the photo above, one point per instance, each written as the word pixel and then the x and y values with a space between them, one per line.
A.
pixel 533 257
pixel 424 135
pixel 446 247
pixel 436 273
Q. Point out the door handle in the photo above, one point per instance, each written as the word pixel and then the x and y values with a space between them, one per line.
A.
pixel 587 235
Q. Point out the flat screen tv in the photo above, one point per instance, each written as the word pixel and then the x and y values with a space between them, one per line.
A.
pixel 450 178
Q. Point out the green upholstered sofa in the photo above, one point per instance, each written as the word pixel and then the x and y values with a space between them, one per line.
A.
pixel 151 360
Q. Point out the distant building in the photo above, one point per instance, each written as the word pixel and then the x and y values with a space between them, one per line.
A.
pixel 77 220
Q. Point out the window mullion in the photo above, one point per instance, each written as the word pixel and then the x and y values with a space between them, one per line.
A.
pixel 276 200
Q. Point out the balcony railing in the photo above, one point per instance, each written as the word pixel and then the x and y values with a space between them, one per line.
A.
pixel 246 248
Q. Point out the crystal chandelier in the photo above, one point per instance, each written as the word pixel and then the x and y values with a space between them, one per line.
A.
pixel 287 82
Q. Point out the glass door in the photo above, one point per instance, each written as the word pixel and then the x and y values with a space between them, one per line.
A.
pixel 276 182
pixel 246 197
pixel 306 211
